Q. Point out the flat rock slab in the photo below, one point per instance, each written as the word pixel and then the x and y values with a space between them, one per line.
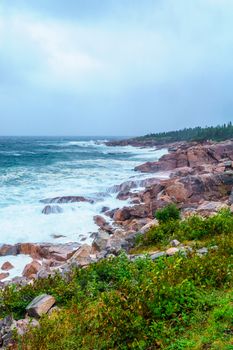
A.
pixel 40 305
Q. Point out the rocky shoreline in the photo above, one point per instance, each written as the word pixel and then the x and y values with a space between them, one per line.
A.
pixel 200 181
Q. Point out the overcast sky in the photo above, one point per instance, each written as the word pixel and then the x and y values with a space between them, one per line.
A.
pixel 114 67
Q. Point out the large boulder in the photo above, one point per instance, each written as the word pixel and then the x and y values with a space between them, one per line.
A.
pixel 177 192
pixel 121 214
pixel 31 269
pixel 100 241
pixel 34 250
pixel 82 257
pixel 209 208
pixel 40 305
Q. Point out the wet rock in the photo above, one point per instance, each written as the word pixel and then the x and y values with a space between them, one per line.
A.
pixel 34 250
pixel 52 209
pixel 4 275
pixel 100 242
pixel 122 214
pixel 111 213
pixel 67 199
pixel 40 305
pixel 7 266
pixel 82 256
pixel 57 236
pixel 31 269
pixel 124 187
pixel 124 195
pixel 104 209
pixel 102 223
pixel 59 252
pixel 7 249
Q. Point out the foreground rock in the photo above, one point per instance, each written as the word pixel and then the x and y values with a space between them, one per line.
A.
pixel 40 305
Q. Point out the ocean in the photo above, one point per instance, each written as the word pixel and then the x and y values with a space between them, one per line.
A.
pixel 36 168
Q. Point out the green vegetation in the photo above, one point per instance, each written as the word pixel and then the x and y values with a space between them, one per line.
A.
pixel 173 303
pixel 170 212
pixel 193 228
pixel 217 133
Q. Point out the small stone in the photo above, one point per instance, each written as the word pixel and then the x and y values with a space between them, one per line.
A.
pixel 4 275
pixel 40 305
pixel 172 251
pixel 175 243
pixel 202 251
pixel 148 226
pixel 7 266
pixel 52 209
pixel 22 326
pixel 157 255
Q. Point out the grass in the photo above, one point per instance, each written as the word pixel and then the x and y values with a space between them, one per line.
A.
pixel 172 303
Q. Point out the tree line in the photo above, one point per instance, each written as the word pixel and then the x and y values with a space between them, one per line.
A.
pixel 215 133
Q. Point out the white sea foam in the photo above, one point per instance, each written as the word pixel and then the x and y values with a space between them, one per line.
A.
pixel 22 188
pixel 18 263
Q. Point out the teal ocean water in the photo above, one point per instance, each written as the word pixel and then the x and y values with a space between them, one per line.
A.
pixel 35 168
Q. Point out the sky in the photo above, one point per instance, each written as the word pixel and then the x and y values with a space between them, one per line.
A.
pixel 114 67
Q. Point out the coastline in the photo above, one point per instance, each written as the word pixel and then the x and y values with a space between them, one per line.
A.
pixel 198 178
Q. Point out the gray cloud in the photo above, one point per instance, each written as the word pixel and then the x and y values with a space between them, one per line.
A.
pixel 125 67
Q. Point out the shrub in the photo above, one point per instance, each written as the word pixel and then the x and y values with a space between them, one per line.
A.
pixel 193 228
pixel 170 212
